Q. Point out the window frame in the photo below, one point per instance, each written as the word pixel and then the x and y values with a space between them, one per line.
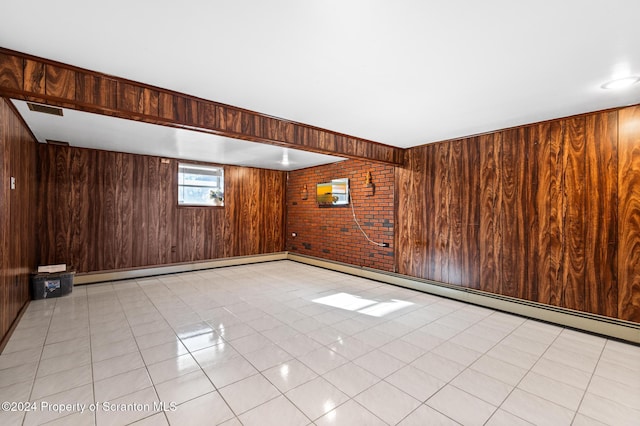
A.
pixel 197 165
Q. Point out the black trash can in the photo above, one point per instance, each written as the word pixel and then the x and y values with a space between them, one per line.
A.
pixel 47 285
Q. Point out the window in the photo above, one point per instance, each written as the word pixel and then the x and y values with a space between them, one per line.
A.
pixel 200 185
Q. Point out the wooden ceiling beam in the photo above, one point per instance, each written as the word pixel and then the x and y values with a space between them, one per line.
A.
pixel 41 80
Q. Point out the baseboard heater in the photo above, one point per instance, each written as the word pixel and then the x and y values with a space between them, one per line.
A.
pixel 174 268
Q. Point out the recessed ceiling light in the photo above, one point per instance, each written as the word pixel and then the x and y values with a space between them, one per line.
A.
pixel 621 83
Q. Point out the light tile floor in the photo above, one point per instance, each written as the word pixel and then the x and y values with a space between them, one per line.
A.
pixel 283 343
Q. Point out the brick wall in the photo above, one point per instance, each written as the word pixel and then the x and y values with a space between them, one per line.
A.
pixel 330 232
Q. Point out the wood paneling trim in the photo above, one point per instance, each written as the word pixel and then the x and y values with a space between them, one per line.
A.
pixel 27 77
pixel 96 89
pixel 512 212
pixel 34 76
pixel 470 213
pixel 574 202
pixel 60 82
pixel 601 238
pixel 490 205
pixel 629 214
pixel 11 71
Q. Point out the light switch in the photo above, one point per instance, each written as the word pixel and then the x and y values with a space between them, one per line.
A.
pixel 13 182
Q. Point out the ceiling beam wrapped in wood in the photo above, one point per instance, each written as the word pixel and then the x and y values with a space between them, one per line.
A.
pixel 41 80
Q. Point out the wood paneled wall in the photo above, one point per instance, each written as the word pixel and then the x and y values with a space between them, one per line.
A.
pixel 104 210
pixel 548 212
pixel 17 214
pixel 30 78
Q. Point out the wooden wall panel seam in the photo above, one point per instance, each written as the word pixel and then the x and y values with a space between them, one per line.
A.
pixel 629 214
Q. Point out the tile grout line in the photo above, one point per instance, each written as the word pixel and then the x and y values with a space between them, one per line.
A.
pixel 586 389
pixel 35 376
pixel 530 370
pixel 93 382
pixel 216 389
pixel 525 375
pixel 463 370
pixel 140 352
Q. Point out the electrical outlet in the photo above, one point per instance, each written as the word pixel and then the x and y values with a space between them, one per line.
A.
pixel 385 244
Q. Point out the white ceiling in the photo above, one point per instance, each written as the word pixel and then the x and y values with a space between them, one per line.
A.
pixel 402 72
pixel 86 130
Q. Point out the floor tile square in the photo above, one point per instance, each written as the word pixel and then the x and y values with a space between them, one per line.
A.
pixel 172 368
pixel 563 373
pixel 250 343
pixel 403 350
pixel 123 384
pixel 503 371
pixel 289 375
pixel 456 353
pixel 18 374
pixel 503 418
pixel 65 348
pixel 316 397
pixel 117 365
pixel 438 366
pixel 215 354
pixel 276 412
pixel 482 386
pixel 387 402
pixel 79 395
pixel 16 392
pixel 415 382
pixel 201 341
pixel 351 379
pixel 350 413
pixel 267 357
pixel 229 371
pixel 249 393
pixel 379 363
pixel 536 410
pixel 608 411
pixel 350 347
pixel 184 388
pixel 554 390
pixel 461 406
pixel 144 398
pixel 622 393
pixel 59 382
pixel 425 415
pixel 326 335
pixel 322 360
pixel 299 345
